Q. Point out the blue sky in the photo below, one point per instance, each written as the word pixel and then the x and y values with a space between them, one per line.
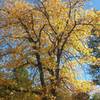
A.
pixel 90 4
pixel 94 4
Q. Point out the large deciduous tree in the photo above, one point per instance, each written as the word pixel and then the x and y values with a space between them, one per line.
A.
pixel 41 44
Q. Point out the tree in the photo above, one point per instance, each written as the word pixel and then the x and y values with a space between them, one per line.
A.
pixel 95 68
pixel 82 95
pixel 96 96
pixel 49 38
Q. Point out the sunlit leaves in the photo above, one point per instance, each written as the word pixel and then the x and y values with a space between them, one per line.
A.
pixel 83 86
pixel 51 36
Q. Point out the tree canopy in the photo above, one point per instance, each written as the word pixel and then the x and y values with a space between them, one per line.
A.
pixel 41 45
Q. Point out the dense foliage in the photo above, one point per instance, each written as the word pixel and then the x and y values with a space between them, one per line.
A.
pixel 40 47
pixel 94 43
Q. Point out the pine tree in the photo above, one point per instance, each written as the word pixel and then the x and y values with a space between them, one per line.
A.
pixel 94 70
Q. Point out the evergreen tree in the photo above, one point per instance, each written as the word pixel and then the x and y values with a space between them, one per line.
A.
pixel 94 70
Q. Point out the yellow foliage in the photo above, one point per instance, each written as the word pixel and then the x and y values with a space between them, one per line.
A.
pixel 19 9
pixel 83 86
pixel 46 36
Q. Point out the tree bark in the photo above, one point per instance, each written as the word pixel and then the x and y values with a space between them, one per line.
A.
pixel 39 64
